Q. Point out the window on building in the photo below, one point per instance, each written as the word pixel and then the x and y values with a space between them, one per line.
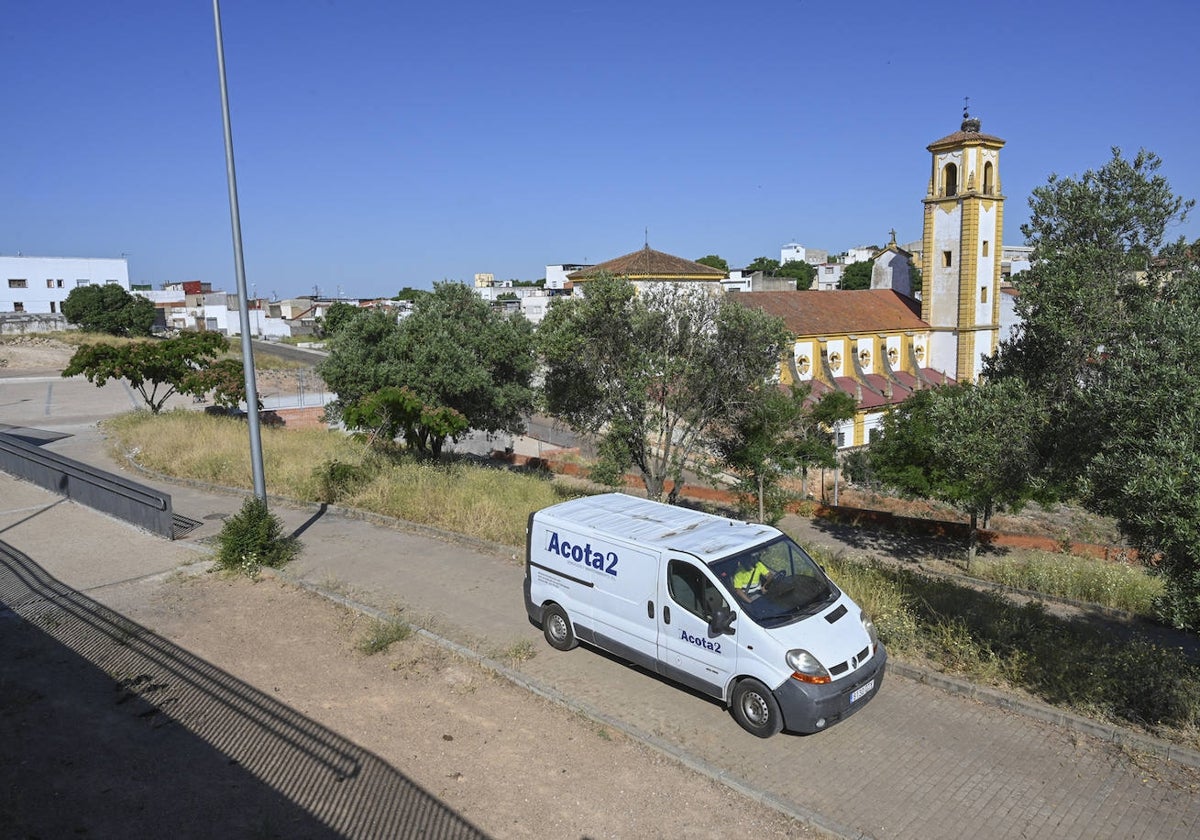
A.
pixel 841 439
pixel 983 294
pixel 17 284
pixel 58 284
pixel 18 306
pixel 83 282
pixel 49 284
pixel 987 178
pixel 985 248
pixel 947 259
pixel 950 179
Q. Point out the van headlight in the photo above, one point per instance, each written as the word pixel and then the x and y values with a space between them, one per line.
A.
pixel 869 626
pixel 806 667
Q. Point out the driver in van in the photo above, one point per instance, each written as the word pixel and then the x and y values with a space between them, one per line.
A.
pixel 750 578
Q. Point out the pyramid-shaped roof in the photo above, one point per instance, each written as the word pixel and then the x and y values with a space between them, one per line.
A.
pixel 648 264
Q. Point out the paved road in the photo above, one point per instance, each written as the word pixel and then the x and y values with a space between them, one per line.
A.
pixel 916 763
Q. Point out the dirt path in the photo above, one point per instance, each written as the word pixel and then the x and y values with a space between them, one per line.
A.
pixel 154 734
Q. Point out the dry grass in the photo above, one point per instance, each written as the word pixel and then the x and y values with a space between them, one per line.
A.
pixel 492 504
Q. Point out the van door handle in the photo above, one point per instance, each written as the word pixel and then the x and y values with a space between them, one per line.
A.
pixel 666 615
pixel 649 609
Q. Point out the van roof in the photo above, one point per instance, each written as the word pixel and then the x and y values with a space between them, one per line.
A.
pixel 704 535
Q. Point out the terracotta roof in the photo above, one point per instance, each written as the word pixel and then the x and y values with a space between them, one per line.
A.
pixel 815 313
pixel 965 138
pixel 650 264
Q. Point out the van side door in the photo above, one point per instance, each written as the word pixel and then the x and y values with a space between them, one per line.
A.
pixel 688 652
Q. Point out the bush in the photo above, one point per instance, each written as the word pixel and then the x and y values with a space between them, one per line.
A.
pixel 253 538
pixel 338 479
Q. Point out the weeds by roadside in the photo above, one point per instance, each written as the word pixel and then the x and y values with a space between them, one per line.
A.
pixel 382 634
pixel 985 637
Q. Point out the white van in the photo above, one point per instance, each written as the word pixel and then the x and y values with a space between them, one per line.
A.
pixel 733 609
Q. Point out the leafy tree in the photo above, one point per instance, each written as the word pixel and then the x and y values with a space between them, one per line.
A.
pixel 394 412
pixel 1091 239
pixel 156 368
pixel 1108 345
pixel 653 373
pixel 108 308
pixel 453 352
pixel 968 445
pixel 713 261
pixel 409 293
pixel 764 264
pixel 776 432
pixel 857 275
pixel 224 379
pixel 337 315
pixel 800 271
pixel 1143 412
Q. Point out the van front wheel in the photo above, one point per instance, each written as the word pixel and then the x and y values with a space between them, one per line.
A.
pixel 755 709
pixel 557 628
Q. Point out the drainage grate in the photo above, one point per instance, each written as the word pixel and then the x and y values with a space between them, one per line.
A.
pixel 181 526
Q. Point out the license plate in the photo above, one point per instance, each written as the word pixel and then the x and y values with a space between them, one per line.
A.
pixel 862 691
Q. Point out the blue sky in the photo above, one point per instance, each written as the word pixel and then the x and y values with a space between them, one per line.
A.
pixel 388 144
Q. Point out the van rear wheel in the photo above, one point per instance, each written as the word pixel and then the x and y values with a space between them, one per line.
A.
pixel 755 709
pixel 557 628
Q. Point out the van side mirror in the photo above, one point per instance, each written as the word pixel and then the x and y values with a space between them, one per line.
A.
pixel 721 623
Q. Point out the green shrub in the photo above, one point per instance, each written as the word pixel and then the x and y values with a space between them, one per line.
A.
pixel 381 635
pixel 337 479
pixel 252 538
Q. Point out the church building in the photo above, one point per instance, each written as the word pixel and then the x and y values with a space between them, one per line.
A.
pixel 880 345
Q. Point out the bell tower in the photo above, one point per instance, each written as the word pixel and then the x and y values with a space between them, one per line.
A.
pixel 961 248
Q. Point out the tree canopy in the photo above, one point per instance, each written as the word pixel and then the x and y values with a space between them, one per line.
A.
pixel 713 261
pixel 800 271
pixel 1109 345
pixel 452 351
pixel 775 432
pixel 156 368
pixel 765 264
pixel 857 275
pixel 968 445
pixel 110 309
pixel 654 372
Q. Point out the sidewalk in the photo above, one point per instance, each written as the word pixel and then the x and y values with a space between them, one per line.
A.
pixel 917 762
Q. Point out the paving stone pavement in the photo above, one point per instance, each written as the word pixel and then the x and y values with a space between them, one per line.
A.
pixel 917 762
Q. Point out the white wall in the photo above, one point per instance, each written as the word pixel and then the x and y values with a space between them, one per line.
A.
pixel 48 280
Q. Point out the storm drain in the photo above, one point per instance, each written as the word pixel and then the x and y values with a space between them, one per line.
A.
pixel 181 526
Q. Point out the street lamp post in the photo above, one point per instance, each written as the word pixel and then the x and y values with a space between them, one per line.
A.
pixel 256 459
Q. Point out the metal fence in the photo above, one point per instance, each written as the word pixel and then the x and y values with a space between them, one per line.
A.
pixel 136 503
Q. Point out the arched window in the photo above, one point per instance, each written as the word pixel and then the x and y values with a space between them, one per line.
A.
pixel 950 179
pixel 988 181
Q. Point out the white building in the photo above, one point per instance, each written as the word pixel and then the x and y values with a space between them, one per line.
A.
pixel 39 285
pixel 556 275
pixel 829 277
pixel 795 252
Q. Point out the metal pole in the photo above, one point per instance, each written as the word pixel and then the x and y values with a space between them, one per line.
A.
pixel 256 459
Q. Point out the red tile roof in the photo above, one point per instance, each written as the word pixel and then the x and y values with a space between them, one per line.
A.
pixel 815 313
pixel 650 264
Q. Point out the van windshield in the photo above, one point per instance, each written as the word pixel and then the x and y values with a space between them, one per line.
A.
pixel 776 583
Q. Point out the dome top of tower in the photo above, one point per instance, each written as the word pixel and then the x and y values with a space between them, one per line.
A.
pixel 967 135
